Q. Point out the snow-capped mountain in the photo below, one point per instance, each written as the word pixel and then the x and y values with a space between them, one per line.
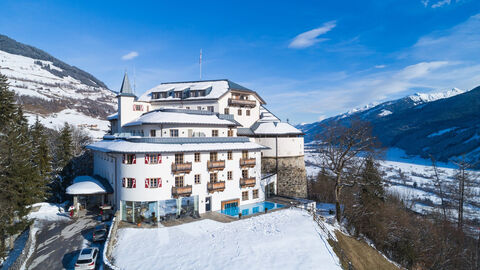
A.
pixel 55 91
pixel 444 124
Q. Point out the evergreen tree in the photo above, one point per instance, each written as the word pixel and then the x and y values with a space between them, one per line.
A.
pixel 41 159
pixel 64 166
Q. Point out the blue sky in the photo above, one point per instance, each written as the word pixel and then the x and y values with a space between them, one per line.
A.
pixel 308 59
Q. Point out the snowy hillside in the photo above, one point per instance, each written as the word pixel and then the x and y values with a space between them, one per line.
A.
pixel 49 91
pixel 285 239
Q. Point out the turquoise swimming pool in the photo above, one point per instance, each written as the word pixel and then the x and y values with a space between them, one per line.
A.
pixel 250 209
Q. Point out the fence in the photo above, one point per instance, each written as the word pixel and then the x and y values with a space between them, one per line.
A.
pixel 110 243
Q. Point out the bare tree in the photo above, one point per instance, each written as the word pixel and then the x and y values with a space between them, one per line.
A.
pixel 461 187
pixel 343 150
pixel 439 185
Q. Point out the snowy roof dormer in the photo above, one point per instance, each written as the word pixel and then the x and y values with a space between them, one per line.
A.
pixel 267 116
pixel 269 124
pixel 194 90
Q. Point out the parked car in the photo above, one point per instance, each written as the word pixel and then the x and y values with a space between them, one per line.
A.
pixel 87 259
pixel 100 233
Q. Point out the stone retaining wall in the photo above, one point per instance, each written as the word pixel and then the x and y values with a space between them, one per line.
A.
pixel 291 175
pixel 26 250
pixel 110 244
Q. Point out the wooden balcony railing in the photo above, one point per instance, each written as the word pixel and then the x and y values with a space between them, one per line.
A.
pixel 247 162
pixel 242 102
pixel 216 186
pixel 184 191
pixel 181 167
pixel 216 165
pixel 248 182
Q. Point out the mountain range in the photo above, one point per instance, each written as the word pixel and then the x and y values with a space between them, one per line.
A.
pixel 55 91
pixel 445 125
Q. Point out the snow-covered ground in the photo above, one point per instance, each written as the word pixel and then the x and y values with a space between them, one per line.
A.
pixel 412 179
pixel 285 239
pixel 49 212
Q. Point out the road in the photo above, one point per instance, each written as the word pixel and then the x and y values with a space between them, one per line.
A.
pixel 59 243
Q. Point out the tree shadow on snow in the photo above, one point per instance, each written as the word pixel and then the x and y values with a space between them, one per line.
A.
pixel 69 259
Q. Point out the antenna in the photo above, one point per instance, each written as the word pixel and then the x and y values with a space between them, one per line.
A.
pixel 200 64
pixel 134 80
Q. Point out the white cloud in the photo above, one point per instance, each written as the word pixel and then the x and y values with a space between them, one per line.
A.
pixel 441 3
pixel 130 55
pixel 311 37
pixel 380 66
pixel 425 3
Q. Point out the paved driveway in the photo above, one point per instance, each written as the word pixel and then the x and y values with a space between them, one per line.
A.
pixel 59 243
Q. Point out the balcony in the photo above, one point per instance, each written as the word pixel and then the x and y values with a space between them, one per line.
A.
pixel 215 165
pixel 248 162
pixel 242 102
pixel 181 167
pixel 216 186
pixel 184 191
pixel 247 182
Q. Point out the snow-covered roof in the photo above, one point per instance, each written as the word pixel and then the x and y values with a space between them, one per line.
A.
pixel 266 115
pixel 88 185
pixel 123 146
pixel 112 116
pixel 214 89
pixel 179 116
pixel 274 128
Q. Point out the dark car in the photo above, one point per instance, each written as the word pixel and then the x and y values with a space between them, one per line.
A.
pixel 100 233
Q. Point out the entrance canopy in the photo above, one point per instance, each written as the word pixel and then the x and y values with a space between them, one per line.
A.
pixel 89 185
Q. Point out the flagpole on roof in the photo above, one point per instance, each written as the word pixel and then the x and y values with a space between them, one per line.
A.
pixel 200 64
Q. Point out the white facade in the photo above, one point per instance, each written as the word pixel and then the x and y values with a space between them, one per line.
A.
pixel 188 127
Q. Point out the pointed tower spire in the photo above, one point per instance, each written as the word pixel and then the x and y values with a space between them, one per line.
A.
pixel 126 89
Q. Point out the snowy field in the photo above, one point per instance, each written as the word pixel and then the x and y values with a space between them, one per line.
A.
pixel 412 179
pixel 285 239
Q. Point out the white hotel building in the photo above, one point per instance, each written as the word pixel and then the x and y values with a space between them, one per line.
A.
pixel 188 148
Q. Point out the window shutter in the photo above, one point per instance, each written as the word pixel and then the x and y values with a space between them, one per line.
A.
pixel 147 182
pixel 134 183
pixel 159 159
pixel 134 159
pixel 159 184
pixel 123 160
pixel 123 182
pixel 147 157
pixel 134 107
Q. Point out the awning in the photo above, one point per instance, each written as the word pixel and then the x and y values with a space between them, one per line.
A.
pixel 89 185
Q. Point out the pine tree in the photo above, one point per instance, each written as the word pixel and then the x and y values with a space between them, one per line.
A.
pixel 41 159
pixel 64 166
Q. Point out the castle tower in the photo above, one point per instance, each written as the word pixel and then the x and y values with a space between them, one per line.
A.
pixel 126 99
pixel 285 156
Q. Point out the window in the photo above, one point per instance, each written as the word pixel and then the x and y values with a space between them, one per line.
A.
pixel 129 183
pixel 247 112
pixel 197 178
pixel 255 194
pixel 179 181
pixel 227 111
pixel 138 107
pixel 210 108
pixel 239 111
pixel 245 154
pixel 229 175
pixel 215 133
pixel 213 156
pixel 173 132
pixel 245 196
pixel 153 133
pixel 178 94
pixel 188 108
pixel 230 133
pixel 129 159
pixel 179 158
pixel 153 158
pixel 213 177
pixel 229 155
pixel 155 95
pixel 199 108
pixel 197 157
pixel 153 182
pixel 244 173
